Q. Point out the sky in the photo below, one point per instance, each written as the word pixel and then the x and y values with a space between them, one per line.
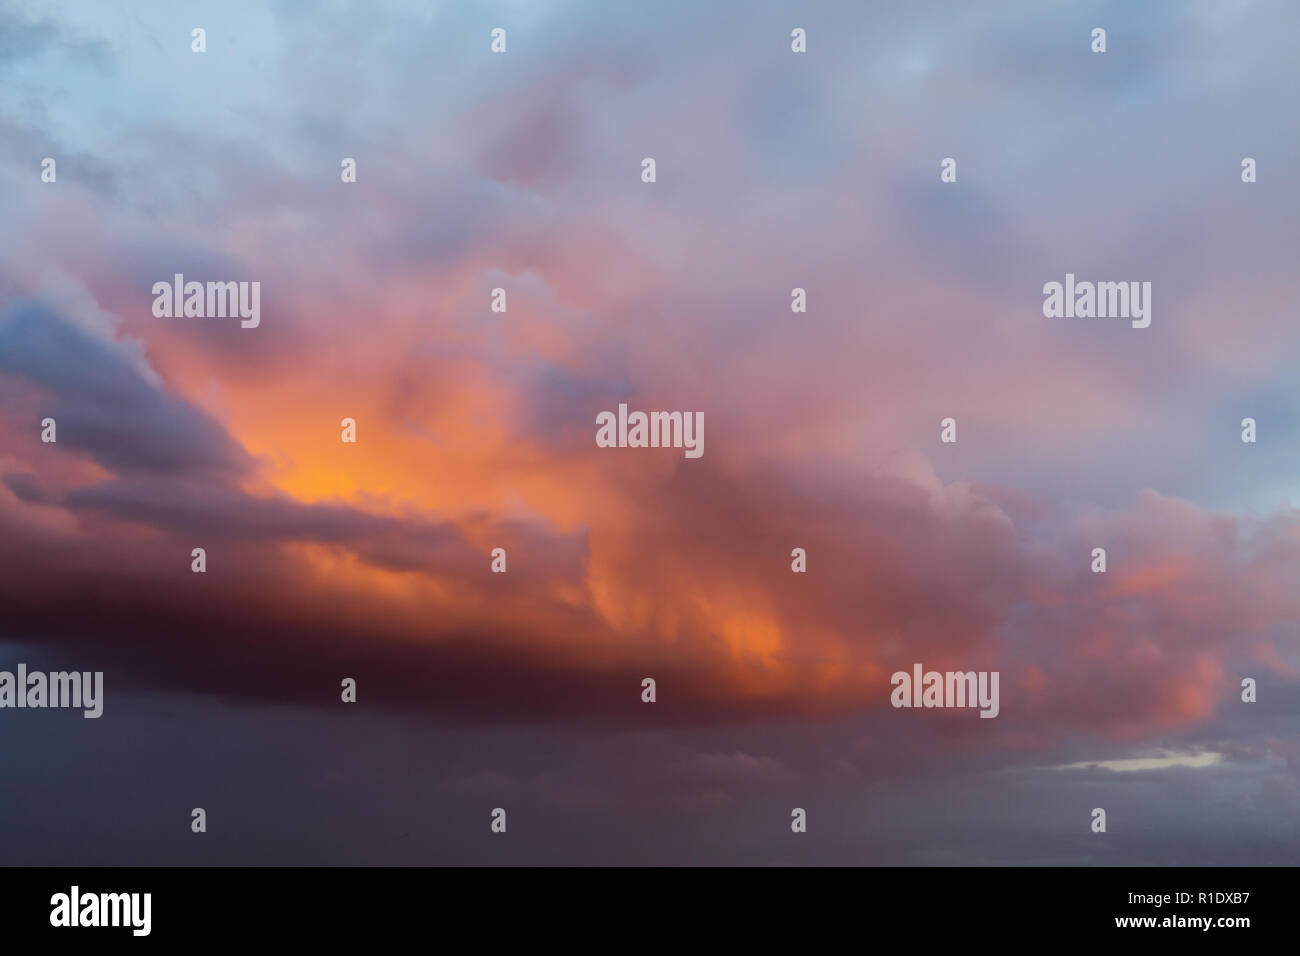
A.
pixel 476 430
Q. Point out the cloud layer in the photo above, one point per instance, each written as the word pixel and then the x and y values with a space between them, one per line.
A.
pixel 476 429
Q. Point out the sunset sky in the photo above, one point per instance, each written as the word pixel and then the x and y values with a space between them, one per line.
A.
pixel 476 430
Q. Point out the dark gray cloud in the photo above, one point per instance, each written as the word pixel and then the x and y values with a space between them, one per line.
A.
pixel 106 407
pixel 293 786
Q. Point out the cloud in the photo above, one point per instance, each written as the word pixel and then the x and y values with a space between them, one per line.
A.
pixel 23 38
pixel 1145 764
pixel 681 571
pixel 777 171
pixel 105 402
